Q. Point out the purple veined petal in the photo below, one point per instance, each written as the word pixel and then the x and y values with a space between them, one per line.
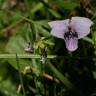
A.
pixel 81 25
pixel 59 28
pixel 71 43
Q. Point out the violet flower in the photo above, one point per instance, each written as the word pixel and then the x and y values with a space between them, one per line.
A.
pixel 29 48
pixel 71 30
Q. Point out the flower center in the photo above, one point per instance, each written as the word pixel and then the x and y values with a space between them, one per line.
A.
pixel 70 34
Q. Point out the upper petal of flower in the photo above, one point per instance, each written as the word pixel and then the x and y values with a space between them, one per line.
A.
pixel 59 28
pixel 81 25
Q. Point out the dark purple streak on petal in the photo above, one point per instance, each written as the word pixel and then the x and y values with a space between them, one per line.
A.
pixel 71 43
pixel 71 40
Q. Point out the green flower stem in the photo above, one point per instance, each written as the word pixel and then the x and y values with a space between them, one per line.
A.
pixel 20 76
pixel 65 80
pixel 24 56
pixel 35 56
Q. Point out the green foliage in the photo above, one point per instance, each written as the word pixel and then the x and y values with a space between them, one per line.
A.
pixel 63 74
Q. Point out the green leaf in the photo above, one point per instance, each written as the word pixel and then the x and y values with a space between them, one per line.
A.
pixel 60 76
pixel 23 63
pixel 8 88
pixel 88 40
pixel 64 80
pixel 55 14
pixel 94 38
pixel 16 44
pixel 68 4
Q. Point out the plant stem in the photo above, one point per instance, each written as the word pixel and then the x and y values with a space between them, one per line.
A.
pixel 20 76
pixel 24 56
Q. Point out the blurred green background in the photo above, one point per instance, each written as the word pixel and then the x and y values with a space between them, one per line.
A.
pixel 26 21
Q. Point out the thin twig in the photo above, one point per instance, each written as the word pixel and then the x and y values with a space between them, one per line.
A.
pixel 12 25
pixel 43 74
pixel 19 88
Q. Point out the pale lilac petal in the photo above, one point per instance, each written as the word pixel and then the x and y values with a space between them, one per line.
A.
pixel 71 43
pixel 81 25
pixel 59 28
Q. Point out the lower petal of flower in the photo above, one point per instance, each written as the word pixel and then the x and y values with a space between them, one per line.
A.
pixel 71 43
